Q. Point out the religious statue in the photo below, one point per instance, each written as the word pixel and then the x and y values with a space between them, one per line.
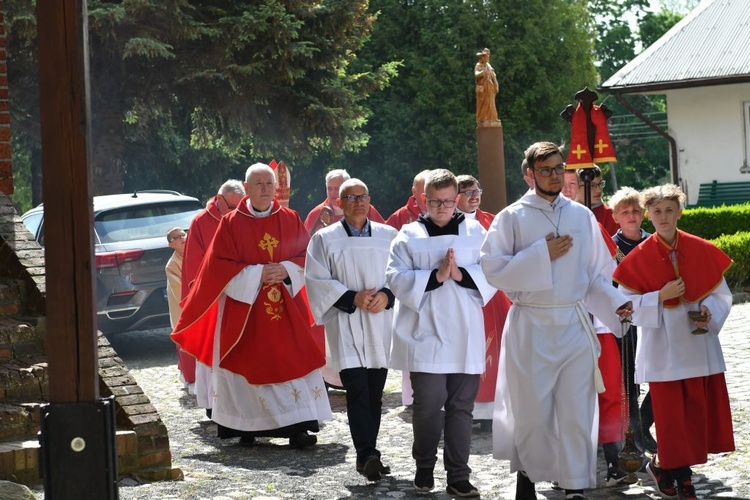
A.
pixel 487 89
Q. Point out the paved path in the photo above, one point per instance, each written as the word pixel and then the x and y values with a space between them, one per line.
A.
pixel 221 470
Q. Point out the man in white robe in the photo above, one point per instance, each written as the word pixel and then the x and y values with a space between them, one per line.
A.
pixel 547 254
pixel 439 329
pixel 346 288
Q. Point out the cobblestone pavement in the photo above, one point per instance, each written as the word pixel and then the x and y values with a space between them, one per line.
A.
pixel 222 470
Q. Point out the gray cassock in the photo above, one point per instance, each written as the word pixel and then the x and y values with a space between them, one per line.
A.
pixel 337 263
pixel 545 419
pixel 440 331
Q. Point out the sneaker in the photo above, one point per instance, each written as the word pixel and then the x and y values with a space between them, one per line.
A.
pixel 384 469
pixel 302 440
pixel 524 487
pixel 462 489
pixel 663 479
pixel 372 469
pixel 424 481
pixel 686 491
pixel 615 476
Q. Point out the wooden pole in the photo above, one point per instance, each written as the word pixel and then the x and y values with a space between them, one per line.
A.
pixel 64 109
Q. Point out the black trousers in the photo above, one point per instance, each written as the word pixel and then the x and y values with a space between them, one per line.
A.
pixel 364 403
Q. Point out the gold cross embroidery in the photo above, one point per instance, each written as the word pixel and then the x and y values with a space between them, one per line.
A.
pixel 578 151
pixel 600 146
pixel 268 243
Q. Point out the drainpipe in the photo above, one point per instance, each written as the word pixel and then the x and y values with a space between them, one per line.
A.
pixel 659 130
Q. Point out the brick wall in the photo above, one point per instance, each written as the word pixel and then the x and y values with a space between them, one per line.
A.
pixel 6 166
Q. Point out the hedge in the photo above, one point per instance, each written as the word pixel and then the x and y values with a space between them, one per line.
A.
pixel 737 246
pixel 710 223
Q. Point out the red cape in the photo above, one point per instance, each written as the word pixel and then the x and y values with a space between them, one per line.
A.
pixel 200 234
pixel 648 267
pixel 267 342
pixel 604 217
pixel 404 215
pixel 312 218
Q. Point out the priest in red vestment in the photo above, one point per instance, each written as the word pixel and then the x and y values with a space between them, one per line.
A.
pixel 328 211
pixel 495 312
pixel 245 319
pixel 414 205
pixel 200 234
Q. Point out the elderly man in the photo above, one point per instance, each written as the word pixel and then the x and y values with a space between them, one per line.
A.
pixel 265 385
pixel 345 278
pixel 328 211
pixel 200 234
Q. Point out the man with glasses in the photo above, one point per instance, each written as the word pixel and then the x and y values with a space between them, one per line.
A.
pixel 548 255
pixel 439 329
pixel 468 201
pixel 201 232
pixel 602 212
pixel 345 281
pixel 328 211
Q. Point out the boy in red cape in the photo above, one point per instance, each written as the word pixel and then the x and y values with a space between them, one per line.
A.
pixel 245 319
pixel 667 276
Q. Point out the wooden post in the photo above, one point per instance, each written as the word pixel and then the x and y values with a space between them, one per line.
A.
pixel 491 158
pixel 79 458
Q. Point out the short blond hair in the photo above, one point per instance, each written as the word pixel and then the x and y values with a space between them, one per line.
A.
pixel 664 192
pixel 626 196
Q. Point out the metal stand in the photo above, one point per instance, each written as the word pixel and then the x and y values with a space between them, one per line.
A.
pixel 78 450
pixel 630 458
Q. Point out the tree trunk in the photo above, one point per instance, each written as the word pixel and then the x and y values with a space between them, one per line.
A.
pixel 107 149
pixel 36 175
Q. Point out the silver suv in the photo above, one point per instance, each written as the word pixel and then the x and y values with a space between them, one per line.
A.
pixel 131 252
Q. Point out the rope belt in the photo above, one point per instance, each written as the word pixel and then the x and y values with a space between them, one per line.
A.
pixel 588 327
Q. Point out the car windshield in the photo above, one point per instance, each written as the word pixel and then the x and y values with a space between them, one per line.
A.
pixel 143 221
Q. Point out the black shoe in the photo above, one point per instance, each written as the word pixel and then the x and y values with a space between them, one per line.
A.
pixel 247 442
pixel 462 489
pixel 615 476
pixel 302 440
pixel 424 480
pixel 524 487
pixel 372 469
pixel 649 443
pixel 574 496
pixel 384 469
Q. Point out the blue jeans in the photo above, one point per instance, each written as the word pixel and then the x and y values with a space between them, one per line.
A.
pixel 364 401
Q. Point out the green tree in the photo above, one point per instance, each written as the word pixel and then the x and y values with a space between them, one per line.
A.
pixel 189 83
pixel 541 52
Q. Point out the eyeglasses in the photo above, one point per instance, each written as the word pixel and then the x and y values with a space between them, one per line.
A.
pixel 547 171
pixel 229 206
pixel 181 236
pixel 354 198
pixel 595 185
pixel 441 203
pixel 471 193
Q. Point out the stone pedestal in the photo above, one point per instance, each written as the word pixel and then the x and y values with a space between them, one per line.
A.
pixel 491 166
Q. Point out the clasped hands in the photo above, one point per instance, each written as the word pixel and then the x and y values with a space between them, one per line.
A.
pixel 273 273
pixel 449 269
pixel 371 301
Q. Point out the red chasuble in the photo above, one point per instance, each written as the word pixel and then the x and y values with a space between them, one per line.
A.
pixel 269 341
pixel 201 232
pixel 654 263
pixel 404 215
pixel 494 313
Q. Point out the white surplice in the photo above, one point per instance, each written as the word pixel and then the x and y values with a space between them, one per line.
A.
pixel 337 263
pixel 440 331
pixel 545 420
pixel 666 349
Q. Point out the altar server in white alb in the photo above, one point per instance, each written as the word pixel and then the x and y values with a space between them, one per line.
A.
pixel 347 291
pixel 439 329
pixel 548 255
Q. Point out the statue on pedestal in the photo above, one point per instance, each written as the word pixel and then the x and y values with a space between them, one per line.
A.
pixel 487 89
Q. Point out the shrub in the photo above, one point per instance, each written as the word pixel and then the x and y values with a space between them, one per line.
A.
pixel 710 223
pixel 737 246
